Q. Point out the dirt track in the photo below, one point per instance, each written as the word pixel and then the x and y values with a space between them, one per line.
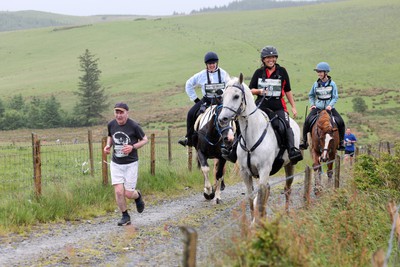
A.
pixel 153 239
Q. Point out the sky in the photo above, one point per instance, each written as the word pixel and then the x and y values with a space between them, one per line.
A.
pixel 110 7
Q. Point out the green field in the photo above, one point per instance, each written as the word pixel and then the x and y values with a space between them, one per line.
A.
pixel 147 62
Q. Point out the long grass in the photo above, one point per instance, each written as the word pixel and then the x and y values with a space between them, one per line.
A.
pixel 343 227
pixel 69 192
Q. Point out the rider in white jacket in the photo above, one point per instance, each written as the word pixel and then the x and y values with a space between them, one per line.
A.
pixel 210 80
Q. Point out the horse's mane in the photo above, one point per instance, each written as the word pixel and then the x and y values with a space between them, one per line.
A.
pixel 324 121
pixel 236 80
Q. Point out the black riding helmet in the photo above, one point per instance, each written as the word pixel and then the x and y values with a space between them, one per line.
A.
pixel 269 51
pixel 210 58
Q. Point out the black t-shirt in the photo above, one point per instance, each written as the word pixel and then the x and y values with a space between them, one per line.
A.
pixel 129 134
pixel 273 103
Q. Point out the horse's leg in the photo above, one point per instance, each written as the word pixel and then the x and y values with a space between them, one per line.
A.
pixel 261 199
pixel 208 191
pixel 289 170
pixel 216 170
pixel 248 181
pixel 330 173
pixel 219 177
pixel 317 176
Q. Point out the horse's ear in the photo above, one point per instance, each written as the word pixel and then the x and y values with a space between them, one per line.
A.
pixel 241 78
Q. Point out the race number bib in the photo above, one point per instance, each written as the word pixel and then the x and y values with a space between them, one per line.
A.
pixel 324 93
pixel 214 89
pixel 118 151
pixel 273 87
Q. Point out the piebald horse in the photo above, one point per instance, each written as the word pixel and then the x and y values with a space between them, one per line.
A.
pixel 258 145
pixel 324 143
pixel 208 146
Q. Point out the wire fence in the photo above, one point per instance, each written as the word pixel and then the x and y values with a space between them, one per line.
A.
pixel 61 160
pixel 217 232
pixel 226 226
pixel 76 159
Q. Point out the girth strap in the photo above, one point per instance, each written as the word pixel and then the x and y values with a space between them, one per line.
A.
pixel 249 151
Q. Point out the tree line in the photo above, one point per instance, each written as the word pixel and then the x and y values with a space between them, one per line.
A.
pixel 39 113
pixel 257 4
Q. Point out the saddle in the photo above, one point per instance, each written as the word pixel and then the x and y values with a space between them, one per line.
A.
pixel 315 118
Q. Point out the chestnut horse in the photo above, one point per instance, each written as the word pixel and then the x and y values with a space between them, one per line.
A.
pixel 324 143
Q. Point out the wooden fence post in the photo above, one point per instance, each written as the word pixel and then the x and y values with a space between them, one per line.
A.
pixel 394 216
pixel 37 165
pixel 90 142
pixel 307 185
pixel 169 146
pixel 337 171
pixel 388 147
pixel 153 155
pixel 190 156
pixel 104 166
pixel 190 246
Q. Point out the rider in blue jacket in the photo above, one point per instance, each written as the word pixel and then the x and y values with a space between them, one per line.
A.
pixel 211 79
pixel 323 95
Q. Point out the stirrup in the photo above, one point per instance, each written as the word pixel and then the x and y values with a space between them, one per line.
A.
pixel 303 146
pixel 295 155
pixel 183 142
pixel 228 155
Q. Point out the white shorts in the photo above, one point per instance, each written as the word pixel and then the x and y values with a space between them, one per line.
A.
pixel 126 174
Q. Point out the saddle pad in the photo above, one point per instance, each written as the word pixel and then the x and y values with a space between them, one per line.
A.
pixel 204 117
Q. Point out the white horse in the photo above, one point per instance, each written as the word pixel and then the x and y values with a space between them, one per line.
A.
pixel 258 146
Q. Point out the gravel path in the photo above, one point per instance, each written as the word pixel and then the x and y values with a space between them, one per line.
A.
pixel 153 239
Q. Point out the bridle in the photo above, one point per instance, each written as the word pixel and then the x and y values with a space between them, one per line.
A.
pixel 239 112
pixel 241 109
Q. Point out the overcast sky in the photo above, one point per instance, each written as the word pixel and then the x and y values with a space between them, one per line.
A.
pixel 108 7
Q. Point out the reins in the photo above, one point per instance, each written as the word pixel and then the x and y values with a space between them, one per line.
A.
pixel 217 127
pixel 239 111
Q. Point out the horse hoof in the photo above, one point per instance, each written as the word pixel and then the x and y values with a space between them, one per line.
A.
pixel 218 201
pixel 210 196
pixel 222 185
pixel 318 191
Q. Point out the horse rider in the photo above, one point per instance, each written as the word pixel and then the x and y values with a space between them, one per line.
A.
pixel 212 81
pixel 323 95
pixel 271 83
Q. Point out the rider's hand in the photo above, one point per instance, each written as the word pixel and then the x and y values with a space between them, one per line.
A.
pixel 294 110
pixel 312 107
pixel 328 108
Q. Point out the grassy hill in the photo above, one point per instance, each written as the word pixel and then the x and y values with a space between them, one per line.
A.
pixel 29 19
pixel 146 62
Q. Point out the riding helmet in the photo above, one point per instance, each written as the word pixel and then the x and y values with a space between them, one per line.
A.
pixel 269 51
pixel 322 66
pixel 210 58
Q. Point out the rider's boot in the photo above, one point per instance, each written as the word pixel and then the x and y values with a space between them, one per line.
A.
pixel 294 153
pixel 304 144
pixel 341 146
pixel 187 141
pixel 230 153
pixel 183 141
pixel 341 137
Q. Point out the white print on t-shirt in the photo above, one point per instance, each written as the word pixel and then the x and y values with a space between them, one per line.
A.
pixel 120 139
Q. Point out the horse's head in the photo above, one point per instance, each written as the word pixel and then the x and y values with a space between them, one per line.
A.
pixel 233 101
pixel 326 136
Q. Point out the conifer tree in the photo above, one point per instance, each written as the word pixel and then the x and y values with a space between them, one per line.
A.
pixel 92 99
